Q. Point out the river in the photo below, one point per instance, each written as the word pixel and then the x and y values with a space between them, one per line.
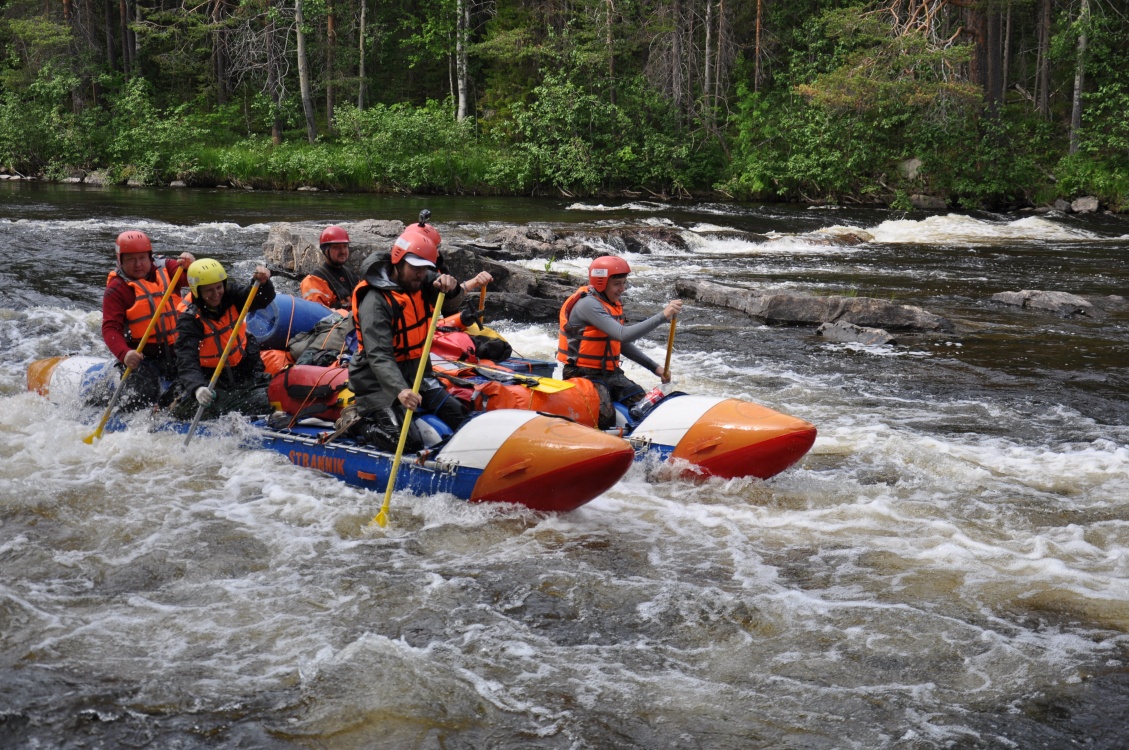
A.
pixel 947 568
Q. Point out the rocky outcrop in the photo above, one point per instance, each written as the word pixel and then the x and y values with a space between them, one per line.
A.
pixel 540 241
pixel 848 333
pixel 516 292
pixel 1085 205
pixel 789 308
pixel 928 202
pixel 1059 303
pixel 292 249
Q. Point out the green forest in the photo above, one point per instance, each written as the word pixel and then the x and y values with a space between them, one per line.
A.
pixel 967 103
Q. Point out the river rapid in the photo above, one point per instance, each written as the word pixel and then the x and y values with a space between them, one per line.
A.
pixel 947 568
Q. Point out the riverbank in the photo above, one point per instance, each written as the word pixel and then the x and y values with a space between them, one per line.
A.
pixel 255 177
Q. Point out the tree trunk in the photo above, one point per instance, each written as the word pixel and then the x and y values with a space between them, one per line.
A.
pixel 462 33
pixel 1079 77
pixel 707 87
pixel 676 60
pixel 274 84
pixel 133 34
pixel 757 64
pixel 330 58
pixel 986 58
pixel 219 52
pixel 123 16
pixel 1043 77
pixel 304 74
pixel 608 41
pixel 111 51
pixel 717 57
pixel 1007 50
pixel 361 58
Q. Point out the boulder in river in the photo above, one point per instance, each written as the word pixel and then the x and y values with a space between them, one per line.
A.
pixel 536 241
pixel 516 293
pixel 293 249
pixel 1085 205
pixel 849 333
pixel 1060 303
pixel 790 308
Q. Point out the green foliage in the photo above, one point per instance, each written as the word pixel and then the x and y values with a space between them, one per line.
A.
pixel 577 141
pixel 421 148
pixel 149 141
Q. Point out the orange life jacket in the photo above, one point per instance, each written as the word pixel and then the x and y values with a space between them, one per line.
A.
pixel 147 295
pixel 411 317
pixel 216 334
pixel 324 287
pixel 590 348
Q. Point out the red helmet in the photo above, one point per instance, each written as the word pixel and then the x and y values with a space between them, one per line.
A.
pixel 429 231
pixel 416 246
pixel 603 268
pixel 132 241
pixel 331 235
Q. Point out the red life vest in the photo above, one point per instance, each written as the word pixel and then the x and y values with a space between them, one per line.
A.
pixel 147 295
pixel 591 348
pixel 216 334
pixel 411 317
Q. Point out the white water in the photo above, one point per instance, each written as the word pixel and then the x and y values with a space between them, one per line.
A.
pixel 931 564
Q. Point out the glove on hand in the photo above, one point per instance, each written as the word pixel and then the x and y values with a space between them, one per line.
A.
pixel 205 396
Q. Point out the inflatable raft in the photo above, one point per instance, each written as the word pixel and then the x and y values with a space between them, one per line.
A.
pixel 544 463
pixel 704 435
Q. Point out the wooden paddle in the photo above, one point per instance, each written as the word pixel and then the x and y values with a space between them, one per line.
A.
pixel 89 439
pixel 670 343
pixel 223 357
pixel 381 518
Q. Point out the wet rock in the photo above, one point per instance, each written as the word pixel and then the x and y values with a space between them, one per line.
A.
pixel 1060 303
pixel 829 237
pixel 1061 205
pixel 177 184
pixel 538 241
pixel 790 308
pixel 848 333
pixel 292 249
pixel 1111 303
pixel 1087 205
pixel 71 180
pixel 928 202
pixel 910 168
pixel 516 293
pixel 97 178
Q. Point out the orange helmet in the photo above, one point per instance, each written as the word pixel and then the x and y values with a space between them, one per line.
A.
pixel 331 235
pixel 603 268
pixel 132 241
pixel 416 247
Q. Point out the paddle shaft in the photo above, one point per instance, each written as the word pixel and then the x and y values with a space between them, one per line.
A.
pixel 129 370
pixel 381 518
pixel 670 344
pixel 546 385
pixel 223 357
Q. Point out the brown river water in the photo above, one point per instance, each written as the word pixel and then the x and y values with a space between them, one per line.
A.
pixel 947 568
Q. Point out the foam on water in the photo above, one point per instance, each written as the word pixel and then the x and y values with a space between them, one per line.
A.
pixel 957 228
pixel 929 560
